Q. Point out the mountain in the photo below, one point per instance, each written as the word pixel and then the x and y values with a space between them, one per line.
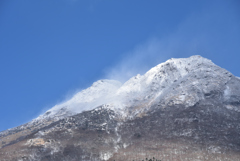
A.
pixel 182 109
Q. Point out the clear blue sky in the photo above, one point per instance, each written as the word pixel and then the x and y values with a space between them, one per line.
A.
pixel 50 49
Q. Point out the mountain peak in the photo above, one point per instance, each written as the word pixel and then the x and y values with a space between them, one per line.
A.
pixel 182 63
pixel 171 82
pixel 190 105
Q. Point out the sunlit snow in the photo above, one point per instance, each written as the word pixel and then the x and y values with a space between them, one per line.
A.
pixel 141 89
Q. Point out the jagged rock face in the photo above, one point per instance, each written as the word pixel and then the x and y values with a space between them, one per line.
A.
pixel 183 109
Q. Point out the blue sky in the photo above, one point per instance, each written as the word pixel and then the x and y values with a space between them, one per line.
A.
pixel 50 49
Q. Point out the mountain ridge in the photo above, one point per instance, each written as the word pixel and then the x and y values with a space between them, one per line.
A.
pixel 186 108
pixel 136 85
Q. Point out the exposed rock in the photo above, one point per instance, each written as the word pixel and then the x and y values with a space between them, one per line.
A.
pixel 183 109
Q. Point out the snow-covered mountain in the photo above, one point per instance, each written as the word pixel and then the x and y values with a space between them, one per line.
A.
pixel 182 109
pixel 176 81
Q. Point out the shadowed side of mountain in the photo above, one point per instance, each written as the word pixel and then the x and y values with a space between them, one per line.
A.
pixel 197 132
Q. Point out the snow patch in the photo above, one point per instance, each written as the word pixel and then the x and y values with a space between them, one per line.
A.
pixel 105 155
pixel 227 92
pixel 214 149
pixel 231 107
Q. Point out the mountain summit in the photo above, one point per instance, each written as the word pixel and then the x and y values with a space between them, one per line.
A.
pixel 182 109
pixel 183 81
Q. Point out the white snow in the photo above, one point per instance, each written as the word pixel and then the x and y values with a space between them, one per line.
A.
pixel 105 155
pixel 140 89
pixel 98 94
pixel 160 78
pixel 227 92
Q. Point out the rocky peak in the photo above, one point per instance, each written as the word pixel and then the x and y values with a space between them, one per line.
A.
pixel 176 81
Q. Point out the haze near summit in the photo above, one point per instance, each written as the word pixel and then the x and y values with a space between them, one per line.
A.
pixel 51 48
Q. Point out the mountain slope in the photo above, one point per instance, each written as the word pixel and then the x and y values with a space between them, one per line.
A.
pixel 183 109
pixel 178 81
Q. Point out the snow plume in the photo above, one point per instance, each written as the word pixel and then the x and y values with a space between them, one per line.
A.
pixel 208 33
pixel 101 92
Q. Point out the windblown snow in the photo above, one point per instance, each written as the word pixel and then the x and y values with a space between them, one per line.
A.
pixel 101 92
pixel 166 82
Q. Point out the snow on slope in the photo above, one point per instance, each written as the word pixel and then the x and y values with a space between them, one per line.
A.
pixel 183 81
pixel 175 75
pixel 161 77
pixel 98 94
